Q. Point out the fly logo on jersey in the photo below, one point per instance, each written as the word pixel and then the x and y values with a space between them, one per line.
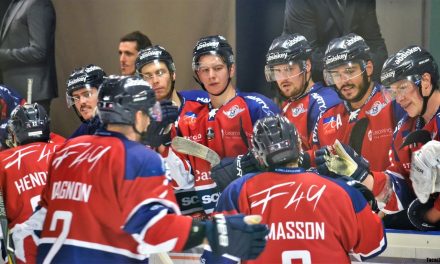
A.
pixel 376 108
pixel 189 120
pixel 298 194
pixel 298 110
pixel 233 111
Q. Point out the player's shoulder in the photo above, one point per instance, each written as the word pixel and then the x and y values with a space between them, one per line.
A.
pixel 259 101
pixel 195 96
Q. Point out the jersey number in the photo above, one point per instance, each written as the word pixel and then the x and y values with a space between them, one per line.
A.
pixel 303 255
pixel 66 217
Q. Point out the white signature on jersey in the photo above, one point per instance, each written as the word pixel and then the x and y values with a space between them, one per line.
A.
pixel 312 194
pixel 17 156
pixel 85 152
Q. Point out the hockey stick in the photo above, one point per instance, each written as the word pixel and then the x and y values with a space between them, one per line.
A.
pixel 29 90
pixel 195 149
pixel 357 135
pixel 418 136
pixel 4 225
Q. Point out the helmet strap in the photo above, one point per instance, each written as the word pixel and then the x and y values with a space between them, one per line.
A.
pixel 425 99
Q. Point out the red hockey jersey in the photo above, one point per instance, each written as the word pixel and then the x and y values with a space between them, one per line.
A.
pixel 312 219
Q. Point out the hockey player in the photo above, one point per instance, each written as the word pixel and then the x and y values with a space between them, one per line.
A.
pixel 82 94
pixel 295 205
pixel 23 169
pixel 411 78
pixel 223 124
pixel 9 99
pixel 288 64
pixel 100 208
pixel 156 65
pixel 365 119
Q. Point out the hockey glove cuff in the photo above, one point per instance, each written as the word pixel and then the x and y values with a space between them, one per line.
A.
pixel 230 169
pixel 237 235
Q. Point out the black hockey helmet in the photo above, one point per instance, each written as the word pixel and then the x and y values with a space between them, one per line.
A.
pixel 28 123
pixel 152 54
pixel 410 61
pixel 288 47
pixel 345 49
pixel 90 76
pixel 120 97
pixel 215 45
pixel 275 141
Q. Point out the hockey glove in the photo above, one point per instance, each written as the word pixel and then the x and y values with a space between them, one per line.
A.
pixel 159 132
pixel 230 169
pixel 368 195
pixel 304 160
pixel 322 157
pixel 425 164
pixel 237 235
pixel 416 215
pixel 345 161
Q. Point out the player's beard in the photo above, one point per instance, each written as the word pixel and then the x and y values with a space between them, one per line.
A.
pixel 363 88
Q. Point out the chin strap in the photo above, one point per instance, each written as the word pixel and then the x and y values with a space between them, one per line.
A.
pixel 425 99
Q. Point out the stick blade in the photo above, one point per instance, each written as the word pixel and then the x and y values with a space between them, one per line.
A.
pixel 189 147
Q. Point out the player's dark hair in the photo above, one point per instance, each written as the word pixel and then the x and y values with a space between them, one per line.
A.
pixel 142 41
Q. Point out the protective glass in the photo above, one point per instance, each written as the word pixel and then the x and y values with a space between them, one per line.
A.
pixel 88 94
pixel 159 72
pixel 401 87
pixel 284 71
pixel 215 65
pixel 343 73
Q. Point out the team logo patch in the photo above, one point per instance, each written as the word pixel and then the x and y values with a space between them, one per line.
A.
pixel 329 125
pixel 189 119
pixel 233 111
pixel 370 135
pixel 210 133
pixel 376 108
pixel 298 110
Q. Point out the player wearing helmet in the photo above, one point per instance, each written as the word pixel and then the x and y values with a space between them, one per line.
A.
pixel 288 64
pixel 23 169
pixel 121 210
pixel 9 99
pixel 410 78
pixel 364 109
pixel 156 65
pixel 294 204
pixel 224 123
pixel 82 95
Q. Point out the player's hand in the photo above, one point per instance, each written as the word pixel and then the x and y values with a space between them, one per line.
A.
pixel 417 212
pixel 345 161
pixel 304 160
pixel 425 166
pixel 322 157
pixel 159 131
pixel 230 169
pixel 237 235
pixel 170 112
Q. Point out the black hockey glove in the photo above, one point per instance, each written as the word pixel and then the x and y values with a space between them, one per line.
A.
pixel 304 160
pixel 233 236
pixel 230 169
pixel 416 215
pixel 321 157
pixel 159 132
